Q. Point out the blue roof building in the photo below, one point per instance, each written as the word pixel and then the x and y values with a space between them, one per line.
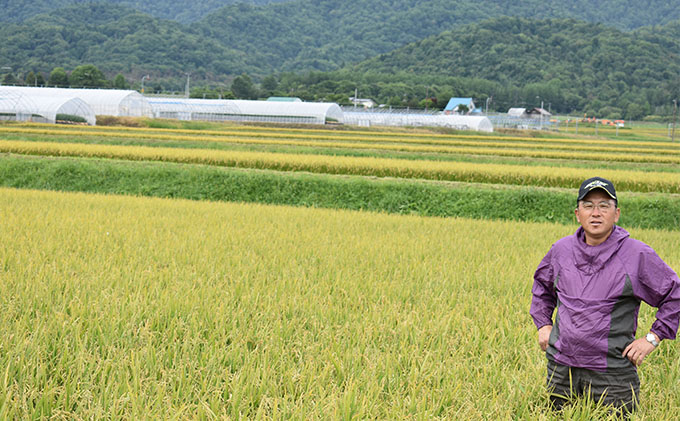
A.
pixel 455 103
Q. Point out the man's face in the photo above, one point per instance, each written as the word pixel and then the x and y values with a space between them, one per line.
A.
pixel 597 213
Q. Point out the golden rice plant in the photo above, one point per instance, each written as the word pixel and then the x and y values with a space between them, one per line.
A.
pixel 381 167
pixel 312 136
pixel 139 308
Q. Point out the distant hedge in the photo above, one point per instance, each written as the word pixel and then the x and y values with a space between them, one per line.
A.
pixel 197 182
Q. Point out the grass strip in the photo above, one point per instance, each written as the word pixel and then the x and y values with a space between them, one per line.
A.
pixel 433 170
pixel 198 182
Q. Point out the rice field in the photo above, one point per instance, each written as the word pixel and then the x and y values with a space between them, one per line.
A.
pixel 121 307
pixel 139 308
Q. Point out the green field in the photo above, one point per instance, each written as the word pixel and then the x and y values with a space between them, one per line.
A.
pixel 404 298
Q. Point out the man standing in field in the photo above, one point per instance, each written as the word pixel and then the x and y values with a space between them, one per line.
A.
pixel 596 279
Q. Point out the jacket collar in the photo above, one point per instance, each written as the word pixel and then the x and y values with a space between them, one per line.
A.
pixel 591 259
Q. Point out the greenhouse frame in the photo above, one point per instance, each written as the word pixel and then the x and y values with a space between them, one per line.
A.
pixel 193 109
pixel 387 118
pixel 289 112
pixel 23 106
pixel 113 102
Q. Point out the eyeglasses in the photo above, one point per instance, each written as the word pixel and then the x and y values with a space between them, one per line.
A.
pixel 604 207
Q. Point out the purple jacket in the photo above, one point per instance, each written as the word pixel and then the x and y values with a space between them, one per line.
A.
pixel 597 292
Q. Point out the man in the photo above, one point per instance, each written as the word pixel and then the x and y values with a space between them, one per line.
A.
pixel 595 279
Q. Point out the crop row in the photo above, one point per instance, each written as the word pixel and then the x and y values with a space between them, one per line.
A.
pixel 381 167
pixel 325 135
pixel 507 149
pixel 415 197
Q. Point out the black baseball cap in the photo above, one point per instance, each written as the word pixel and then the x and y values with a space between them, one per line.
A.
pixel 596 183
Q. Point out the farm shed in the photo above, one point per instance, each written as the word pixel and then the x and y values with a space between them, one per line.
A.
pixel 455 104
pixel 114 102
pixel 23 106
pixel 518 112
pixel 288 112
pixel 453 121
pixel 193 109
pixel 538 112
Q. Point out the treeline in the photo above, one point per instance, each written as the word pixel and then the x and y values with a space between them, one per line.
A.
pixel 83 76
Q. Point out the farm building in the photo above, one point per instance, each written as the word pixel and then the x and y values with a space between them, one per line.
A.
pixel 538 113
pixel 530 113
pixel 518 112
pixel 114 102
pixel 362 102
pixel 456 104
pixel 19 105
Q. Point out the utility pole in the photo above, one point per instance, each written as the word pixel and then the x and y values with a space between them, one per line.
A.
pixel 143 78
pixel 675 118
pixel 186 87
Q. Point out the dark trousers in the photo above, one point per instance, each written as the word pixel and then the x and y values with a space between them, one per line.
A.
pixel 619 388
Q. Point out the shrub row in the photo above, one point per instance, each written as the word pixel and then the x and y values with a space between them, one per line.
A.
pixel 380 167
pixel 358 193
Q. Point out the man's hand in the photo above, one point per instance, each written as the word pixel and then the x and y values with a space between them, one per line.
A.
pixel 544 336
pixel 637 350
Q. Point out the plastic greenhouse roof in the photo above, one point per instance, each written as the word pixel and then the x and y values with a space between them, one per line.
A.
pixel 194 105
pixel 318 111
pixel 459 122
pixel 115 102
pixel 27 106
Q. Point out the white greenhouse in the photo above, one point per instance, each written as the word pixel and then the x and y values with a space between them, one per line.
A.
pixel 295 112
pixel 289 112
pixel 113 102
pixel 193 109
pixel 458 122
pixel 23 106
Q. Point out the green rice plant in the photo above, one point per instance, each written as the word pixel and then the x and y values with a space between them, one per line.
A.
pixel 380 167
pixel 415 197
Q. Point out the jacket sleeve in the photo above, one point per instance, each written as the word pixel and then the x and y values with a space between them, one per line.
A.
pixel 659 287
pixel 544 298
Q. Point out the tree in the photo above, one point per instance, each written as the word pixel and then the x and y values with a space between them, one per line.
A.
pixel 39 79
pixel 30 79
pixel 88 76
pixel 270 83
pixel 119 82
pixel 9 79
pixel 58 77
pixel 242 87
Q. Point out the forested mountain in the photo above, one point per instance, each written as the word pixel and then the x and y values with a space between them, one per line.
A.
pixel 117 39
pixel 293 35
pixel 448 48
pixel 296 35
pixel 328 34
pixel 185 12
pixel 569 63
